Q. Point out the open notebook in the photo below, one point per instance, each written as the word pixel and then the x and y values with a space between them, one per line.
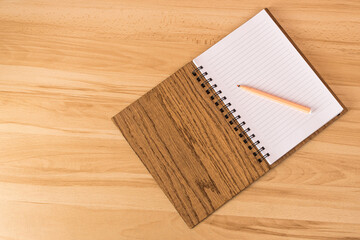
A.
pixel 204 140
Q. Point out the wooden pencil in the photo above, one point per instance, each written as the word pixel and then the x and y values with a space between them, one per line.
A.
pixel 276 99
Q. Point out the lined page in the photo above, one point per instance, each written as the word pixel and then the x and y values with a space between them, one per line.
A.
pixel 259 55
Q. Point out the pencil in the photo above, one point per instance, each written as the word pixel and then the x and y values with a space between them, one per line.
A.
pixel 276 99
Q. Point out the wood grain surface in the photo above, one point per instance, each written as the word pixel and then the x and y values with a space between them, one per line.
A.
pixel 188 146
pixel 66 67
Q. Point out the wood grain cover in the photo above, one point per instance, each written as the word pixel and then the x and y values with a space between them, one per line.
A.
pixel 188 146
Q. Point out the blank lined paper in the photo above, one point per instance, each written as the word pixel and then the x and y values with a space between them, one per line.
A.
pixel 258 55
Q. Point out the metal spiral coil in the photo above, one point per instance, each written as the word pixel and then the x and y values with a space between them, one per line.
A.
pixel 228 113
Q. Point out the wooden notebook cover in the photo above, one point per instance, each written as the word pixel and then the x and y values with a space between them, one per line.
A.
pixel 188 146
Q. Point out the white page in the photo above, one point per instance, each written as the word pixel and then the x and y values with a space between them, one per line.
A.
pixel 258 55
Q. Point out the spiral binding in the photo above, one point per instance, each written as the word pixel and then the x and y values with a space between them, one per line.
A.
pixel 229 114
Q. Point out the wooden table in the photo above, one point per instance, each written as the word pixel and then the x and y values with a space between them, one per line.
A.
pixel 66 172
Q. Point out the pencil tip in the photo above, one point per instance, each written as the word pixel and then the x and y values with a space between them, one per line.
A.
pixel 238 85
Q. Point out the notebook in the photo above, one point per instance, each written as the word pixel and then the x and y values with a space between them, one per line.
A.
pixel 204 140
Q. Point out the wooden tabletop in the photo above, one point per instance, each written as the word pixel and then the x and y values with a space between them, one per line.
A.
pixel 66 172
